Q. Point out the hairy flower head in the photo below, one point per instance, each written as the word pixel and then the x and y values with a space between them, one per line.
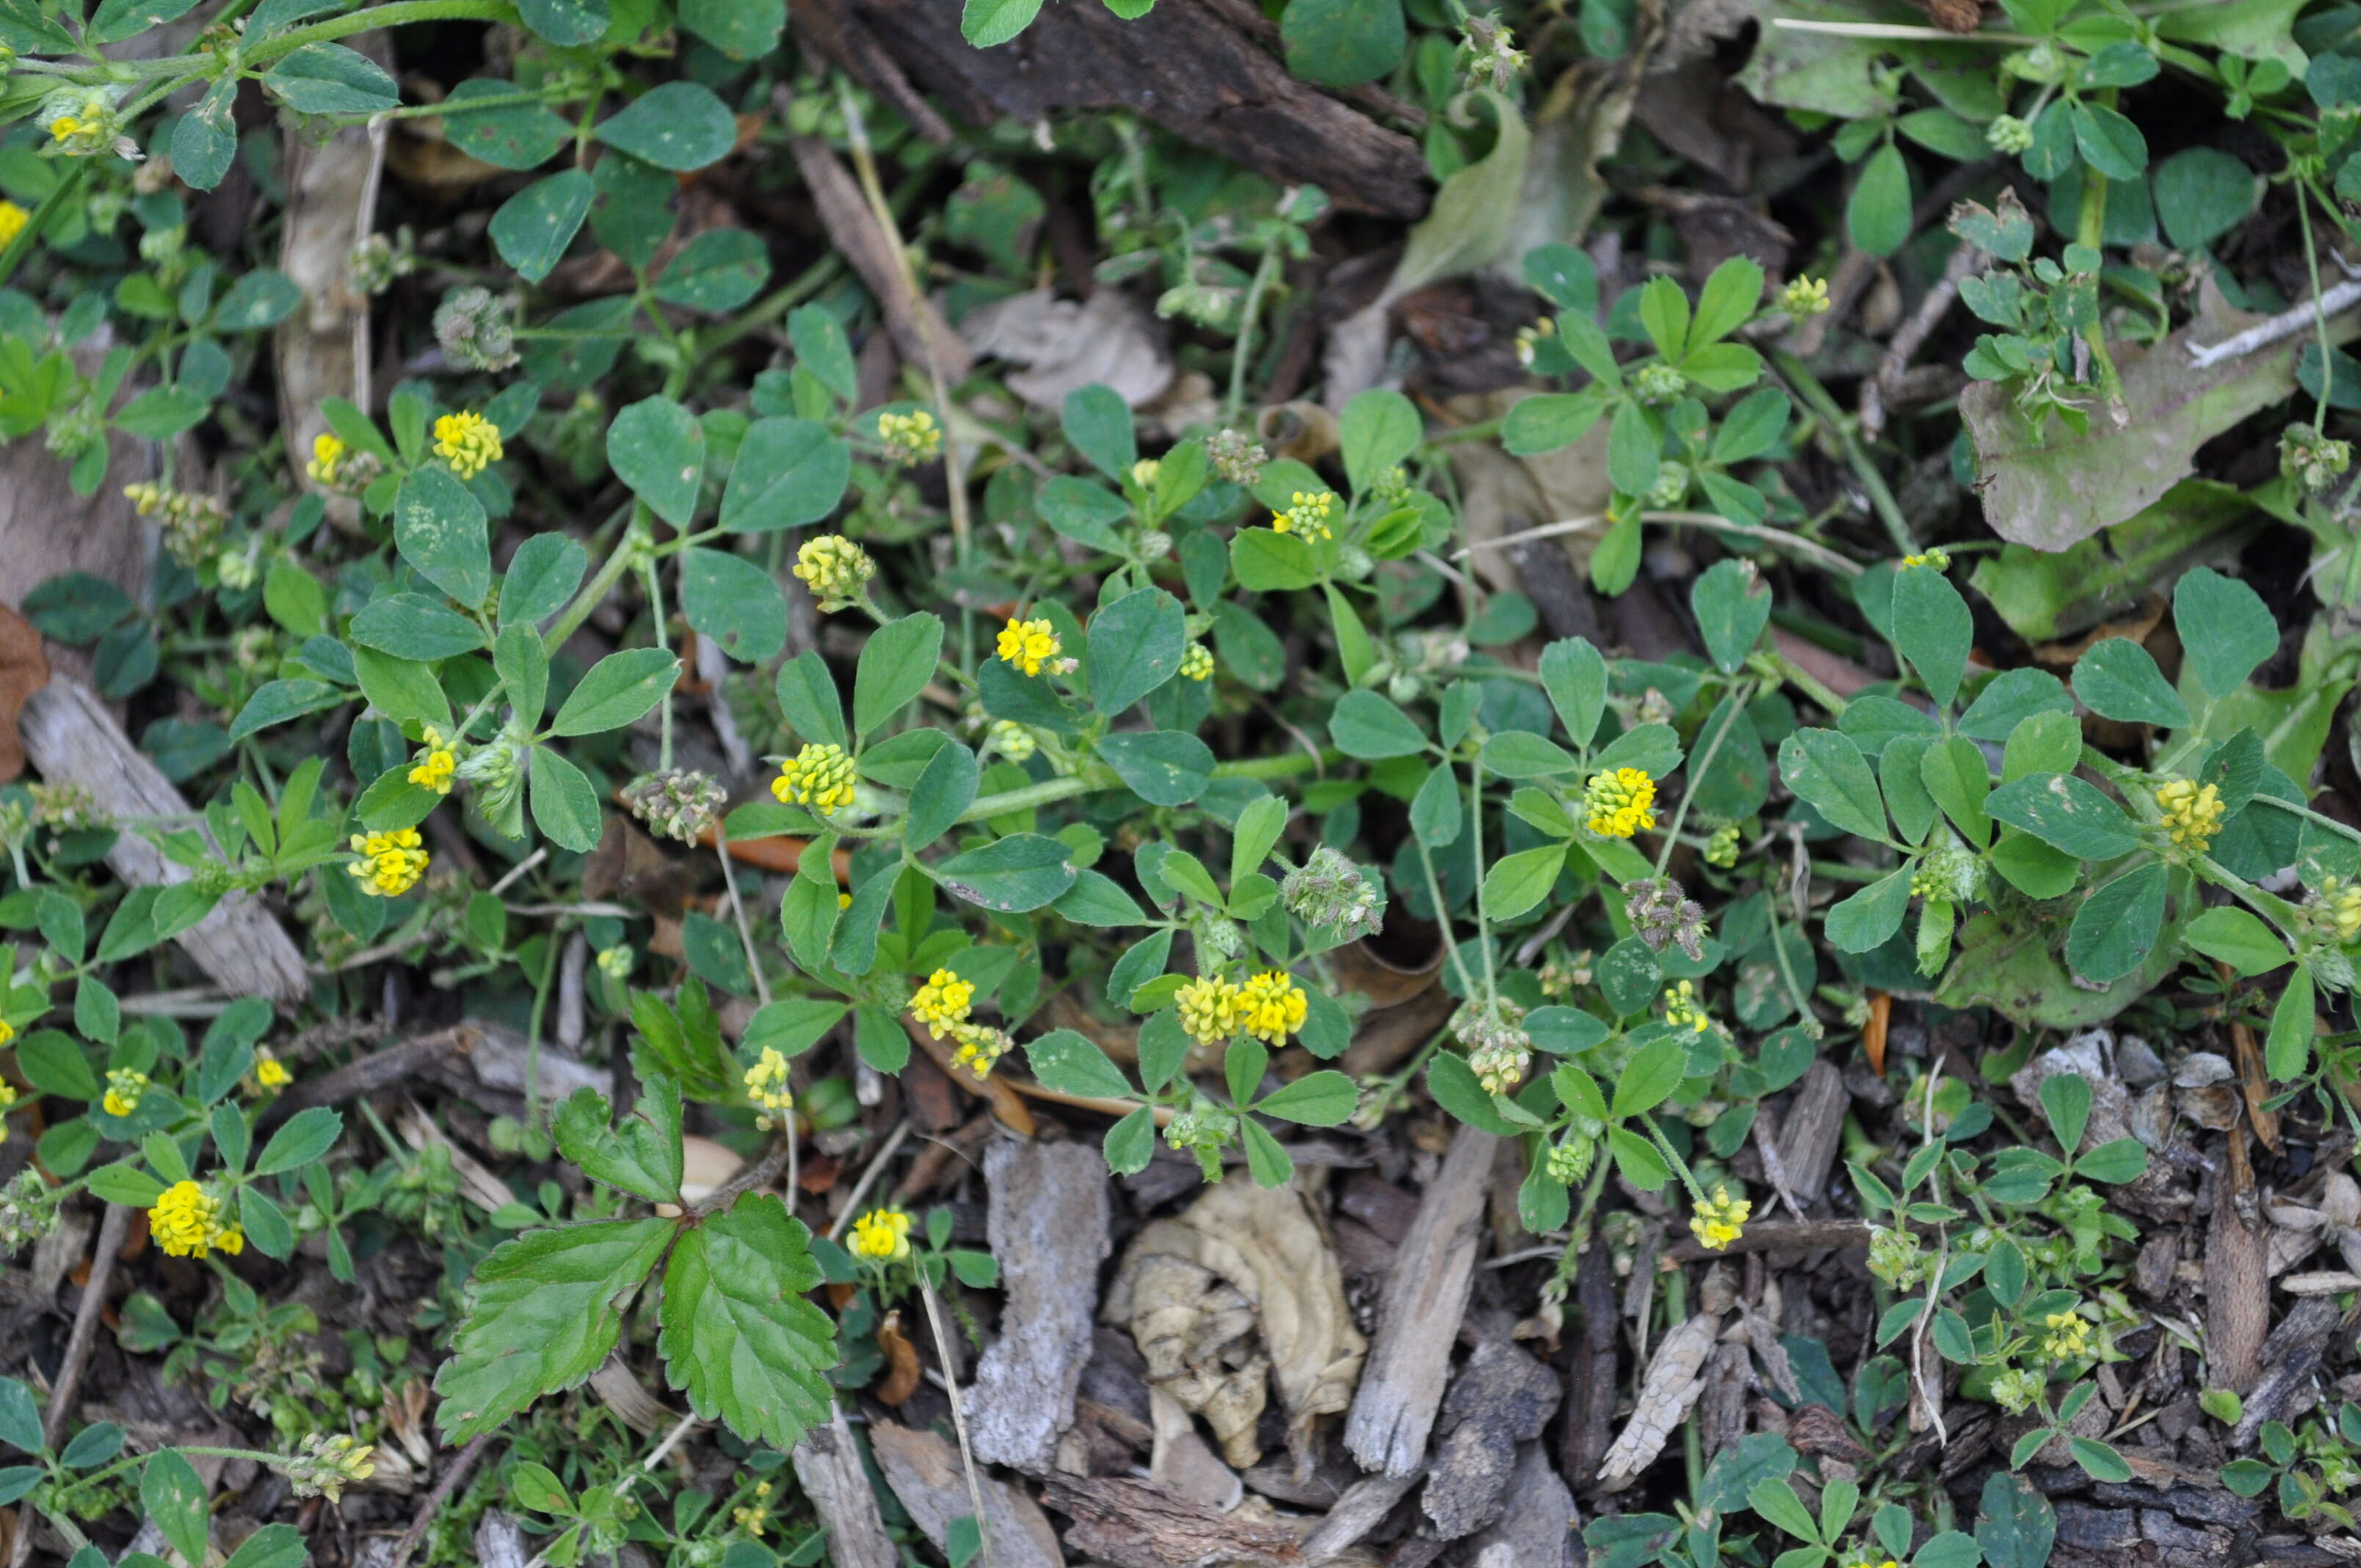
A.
pixel 468 442
pixel 1619 804
pixel 819 776
pixel 911 438
pixel 834 568
pixel 2192 814
pixel 1209 1009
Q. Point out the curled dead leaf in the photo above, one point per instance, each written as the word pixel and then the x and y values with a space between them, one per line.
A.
pixel 23 670
pixel 901 1378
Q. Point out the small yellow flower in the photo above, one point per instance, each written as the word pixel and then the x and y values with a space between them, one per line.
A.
pixel 615 962
pixel 1939 559
pixel 1617 803
pixel 942 1003
pixel 882 1235
pixel 1720 1219
pixel 1865 1563
pixel 910 439
pixel 766 1083
pixel 755 1518
pixel 327 453
pixel 1143 471
pixel 8 1031
pixel 2343 901
pixel 1805 297
pixel 2068 1336
pixel 65 127
pixel 834 568
pixel 816 776
pixel 1027 645
pixel 1271 1006
pixel 468 442
pixel 1308 515
pixel 1209 1009
pixel 1013 740
pixel 390 864
pixel 186 1222
pixel 1197 662
pixel 2191 814
pixel 13 219
pixel 980 1047
pixel 1528 339
pixel 1683 1010
pixel 7 1098
pixel 270 1072
pixel 123 1087
pixel 436 764
pixel 1721 849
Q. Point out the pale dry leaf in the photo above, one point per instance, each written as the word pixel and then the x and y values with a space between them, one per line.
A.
pixel 1670 1387
pixel 1065 346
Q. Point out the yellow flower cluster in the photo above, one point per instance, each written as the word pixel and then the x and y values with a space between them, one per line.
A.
pixel 1027 645
pixel 911 438
pixel 270 1072
pixel 766 1084
pixel 834 568
pixel 123 1087
pixel 616 962
pixel 1271 1006
pixel 2342 899
pixel 1683 1010
pixel 186 1222
pixel 755 1518
pixel 84 131
pixel 1529 340
pixel 1308 515
pixel 1197 662
pixel 1720 1219
pixel 390 864
pixel 882 1235
pixel 2191 814
pixel 943 1003
pixel 436 763
pixel 8 1031
pixel 1805 297
pixel 1939 559
pixel 2068 1336
pixel 1865 1563
pixel 1617 803
pixel 468 442
pixel 1209 1009
pixel 327 453
pixel 1143 471
pixel 816 776
pixel 979 1047
pixel 7 1098
pixel 13 219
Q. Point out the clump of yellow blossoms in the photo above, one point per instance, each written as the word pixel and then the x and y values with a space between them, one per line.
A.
pixel 756 1517
pixel 2192 814
pixel 1805 297
pixel 882 1235
pixel 942 1003
pixel 7 1098
pixel 766 1085
pixel 2069 1336
pixel 1308 515
pixel 328 1462
pixel 85 129
pixel 1683 1010
pixel 834 568
pixel 911 438
pixel 8 1031
pixel 2340 898
pixel 1271 1006
pixel 1027 645
pixel 1209 1009
pixel 390 864
pixel 1143 471
pixel 468 442
pixel 327 453
pixel 1197 662
pixel 979 1047
pixel 13 219
pixel 1528 339
pixel 1939 559
pixel 818 776
pixel 436 763
pixel 186 1222
pixel 1720 1219
pixel 1619 804
pixel 270 1072
pixel 123 1087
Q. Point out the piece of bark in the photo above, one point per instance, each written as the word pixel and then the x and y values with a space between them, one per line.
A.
pixel 1137 1524
pixel 1361 1509
pixel 499 1541
pixel 1773 1235
pixel 402 1061
pixel 70 735
pixel 2288 1358
pixel 924 1470
pixel 1591 1373
pixel 23 670
pixel 919 330
pixel 1048 1223
pixel 1541 1518
pixel 2237 1282
pixel 1811 1131
pixel 1402 1386
pixel 1501 1398
pixel 1184 66
pixel 828 1467
pixel 1671 1385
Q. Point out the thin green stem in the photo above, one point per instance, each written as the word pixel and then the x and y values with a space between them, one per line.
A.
pixel 1807 387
